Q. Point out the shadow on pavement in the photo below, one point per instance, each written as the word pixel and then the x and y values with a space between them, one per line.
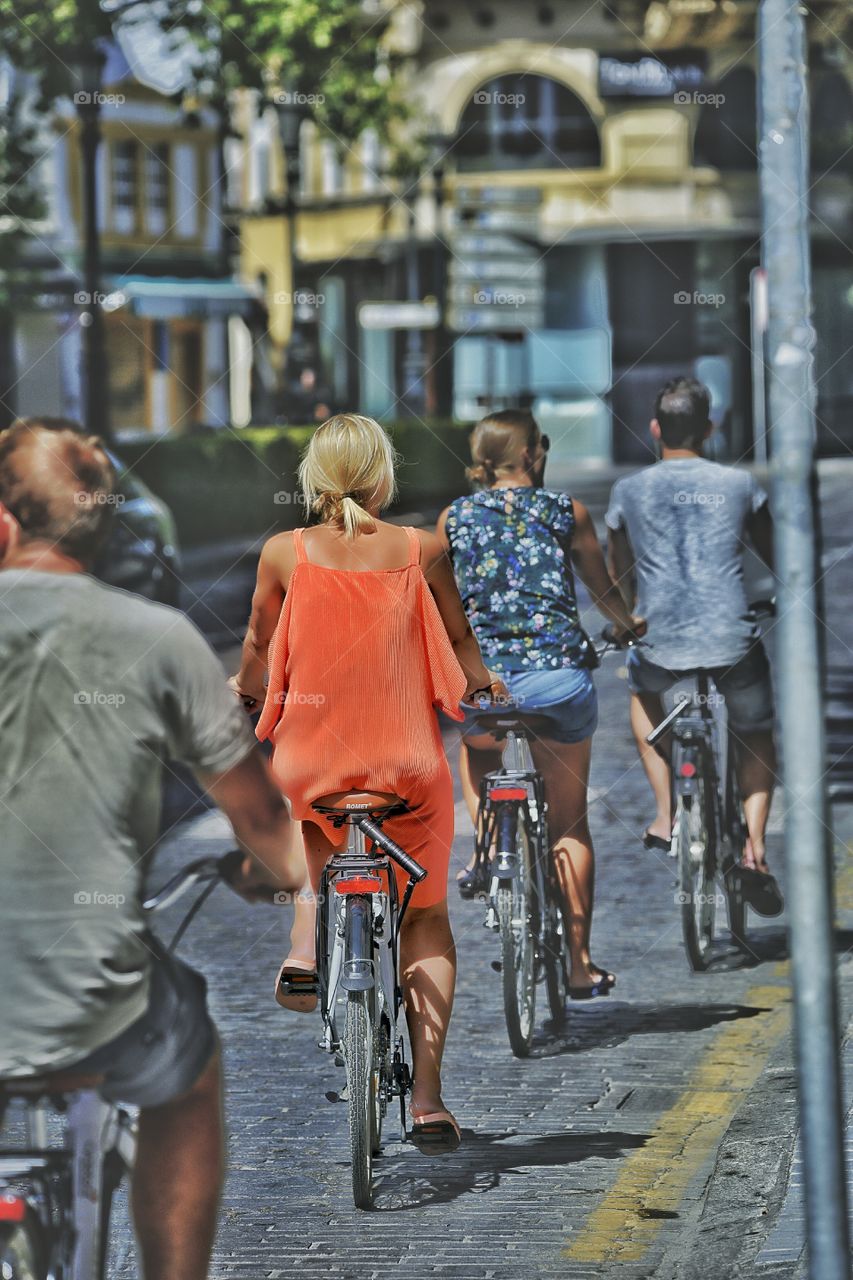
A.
pixel 602 1028
pixel 483 1160
pixel 767 945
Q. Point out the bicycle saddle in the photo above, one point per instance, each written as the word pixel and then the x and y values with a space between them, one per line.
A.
pixel 51 1082
pixel 358 802
pixel 500 723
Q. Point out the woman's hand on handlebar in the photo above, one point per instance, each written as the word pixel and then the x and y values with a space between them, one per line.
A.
pixel 495 690
pixel 249 701
pixel 250 880
pixel 621 636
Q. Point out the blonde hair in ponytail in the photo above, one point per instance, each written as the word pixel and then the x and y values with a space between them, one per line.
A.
pixel 347 468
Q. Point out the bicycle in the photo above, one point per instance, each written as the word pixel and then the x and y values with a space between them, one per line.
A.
pixel 709 831
pixel 359 917
pixel 512 855
pixel 55 1202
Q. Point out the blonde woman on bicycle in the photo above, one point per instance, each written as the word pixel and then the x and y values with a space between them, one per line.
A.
pixel 361 628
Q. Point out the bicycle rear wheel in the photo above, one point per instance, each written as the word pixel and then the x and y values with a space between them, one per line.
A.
pixel 694 843
pixel 516 911
pixel 23 1250
pixel 358 1052
pixel 735 838
pixel 554 957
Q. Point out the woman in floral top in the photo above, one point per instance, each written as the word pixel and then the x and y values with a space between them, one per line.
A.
pixel 513 545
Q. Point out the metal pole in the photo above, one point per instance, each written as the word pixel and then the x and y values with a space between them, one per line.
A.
pixel 95 381
pixel 792 399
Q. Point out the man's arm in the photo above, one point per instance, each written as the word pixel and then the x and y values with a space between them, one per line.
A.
pixel 262 825
pixel 620 562
pixel 759 527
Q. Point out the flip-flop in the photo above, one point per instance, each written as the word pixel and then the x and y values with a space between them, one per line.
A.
pixel 600 988
pixel 436 1134
pixel 473 880
pixel 297 988
pixel 656 842
pixel 761 890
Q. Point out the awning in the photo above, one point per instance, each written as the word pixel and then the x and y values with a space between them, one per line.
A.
pixel 166 299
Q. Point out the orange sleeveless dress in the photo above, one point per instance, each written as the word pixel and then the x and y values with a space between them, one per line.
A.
pixel 359 662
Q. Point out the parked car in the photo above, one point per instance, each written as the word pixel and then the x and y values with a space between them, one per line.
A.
pixel 142 553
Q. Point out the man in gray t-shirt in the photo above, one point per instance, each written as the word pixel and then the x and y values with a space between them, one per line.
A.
pixel 98 688
pixel 677 533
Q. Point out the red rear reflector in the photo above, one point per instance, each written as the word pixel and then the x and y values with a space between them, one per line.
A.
pixel 12 1209
pixel 687 769
pixel 358 884
pixel 507 793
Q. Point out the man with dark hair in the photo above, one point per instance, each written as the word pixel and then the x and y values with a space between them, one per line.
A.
pixel 97 688
pixel 677 533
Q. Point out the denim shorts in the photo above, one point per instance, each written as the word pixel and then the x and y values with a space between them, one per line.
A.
pixel 745 685
pixel 159 1057
pixel 565 698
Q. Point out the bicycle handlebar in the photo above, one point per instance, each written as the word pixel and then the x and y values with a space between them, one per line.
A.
pixel 389 846
pixel 222 868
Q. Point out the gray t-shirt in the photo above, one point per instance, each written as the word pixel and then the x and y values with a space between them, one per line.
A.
pixel 686 521
pixel 97 689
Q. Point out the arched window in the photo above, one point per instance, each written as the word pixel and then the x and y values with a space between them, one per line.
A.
pixel 726 134
pixel 526 120
pixel 832 124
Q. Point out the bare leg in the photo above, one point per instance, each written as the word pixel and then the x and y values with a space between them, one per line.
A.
pixel 178 1179
pixel 756 767
pixel 301 952
pixel 428 967
pixel 477 756
pixel 565 769
pixel 646 712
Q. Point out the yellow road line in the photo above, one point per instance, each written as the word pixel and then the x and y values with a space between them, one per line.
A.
pixel 653 1178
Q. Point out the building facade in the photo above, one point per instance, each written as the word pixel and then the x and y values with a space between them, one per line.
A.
pixel 588 225
pixel 169 299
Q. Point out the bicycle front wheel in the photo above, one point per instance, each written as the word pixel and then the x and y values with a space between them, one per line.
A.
pixel 358 1052
pixel 697 895
pixel 516 912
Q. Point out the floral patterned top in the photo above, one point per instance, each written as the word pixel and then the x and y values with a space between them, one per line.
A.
pixel 510 553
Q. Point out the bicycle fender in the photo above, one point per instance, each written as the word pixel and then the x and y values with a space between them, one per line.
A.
pixel 357 973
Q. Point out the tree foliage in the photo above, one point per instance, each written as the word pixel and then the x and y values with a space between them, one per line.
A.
pixel 327 56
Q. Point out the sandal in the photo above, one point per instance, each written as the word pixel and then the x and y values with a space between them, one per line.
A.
pixel 761 890
pixel 600 988
pixel 472 880
pixel 656 843
pixel 436 1134
pixel 297 988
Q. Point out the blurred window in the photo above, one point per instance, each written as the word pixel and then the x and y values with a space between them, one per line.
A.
pixel 726 136
pixel 832 124
pixel 125 186
pixel 519 121
pixel 157 184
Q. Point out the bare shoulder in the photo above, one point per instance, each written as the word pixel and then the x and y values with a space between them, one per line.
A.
pixel 582 516
pixel 432 549
pixel 279 553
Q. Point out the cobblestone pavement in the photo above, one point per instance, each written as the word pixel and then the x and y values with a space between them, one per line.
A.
pixel 651 1137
